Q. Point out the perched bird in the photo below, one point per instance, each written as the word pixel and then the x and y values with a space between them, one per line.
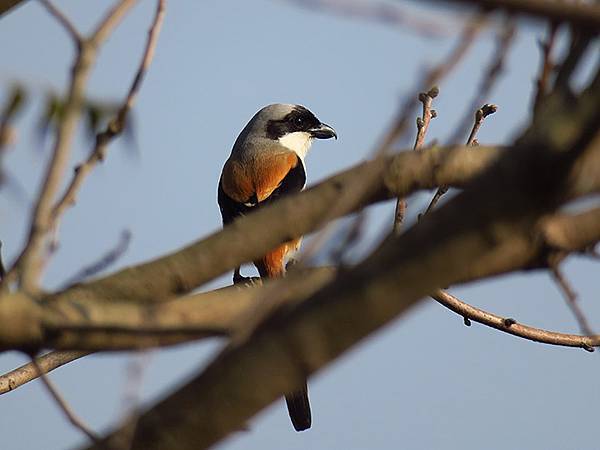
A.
pixel 267 162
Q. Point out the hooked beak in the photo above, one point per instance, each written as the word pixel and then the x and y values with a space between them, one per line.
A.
pixel 323 131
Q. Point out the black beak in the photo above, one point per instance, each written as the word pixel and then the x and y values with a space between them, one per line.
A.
pixel 323 131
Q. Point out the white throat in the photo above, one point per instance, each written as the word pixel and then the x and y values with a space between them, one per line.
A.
pixel 298 142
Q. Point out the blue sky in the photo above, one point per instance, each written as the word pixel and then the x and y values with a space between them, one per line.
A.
pixel 425 381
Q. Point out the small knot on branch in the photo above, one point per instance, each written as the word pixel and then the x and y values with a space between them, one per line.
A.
pixel 420 123
pixel 433 113
pixel 433 92
pixel 509 322
pixel 467 321
pixel 588 348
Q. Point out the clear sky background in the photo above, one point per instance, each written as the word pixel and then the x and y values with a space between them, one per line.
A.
pixel 426 381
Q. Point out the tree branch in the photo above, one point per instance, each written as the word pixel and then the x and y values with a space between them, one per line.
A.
pixel 116 126
pixel 487 231
pixel 28 372
pixel 511 326
pixel 480 114
pixel 62 403
pixel 64 21
pixel 580 14
pixel 426 98
pixel 29 263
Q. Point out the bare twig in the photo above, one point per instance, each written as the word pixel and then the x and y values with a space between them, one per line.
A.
pixel 480 115
pixel 433 77
pixel 381 13
pixel 422 126
pixel 510 326
pixel 571 299
pixel 64 21
pixel 28 372
pixel 29 264
pixel 111 20
pixel 398 126
pixel 547 65
pixel 116 126
pixel 103 262
pixel 63 405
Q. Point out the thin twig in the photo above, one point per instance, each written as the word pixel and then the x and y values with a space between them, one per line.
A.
pixel 433 77
pixel 116 126
pixel 510 326
pixel 486 110
pixel 111 20
pixel 28 265
pixel 398 126
pixel 571 298
pixel 426 98
pixel 480 115
pixel 64 21
pixel 547 66
pixel 381 13
pixel 63 405
pixel 28 372
pixel 105 261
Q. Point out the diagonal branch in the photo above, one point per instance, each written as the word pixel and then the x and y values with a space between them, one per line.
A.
pixel 482 237
pixel 580 14
pixel 511 326
pixel 480 114
pixel 64 21
pixel 116 126
pixel 62 403
pixel 28 265
pixel 28 372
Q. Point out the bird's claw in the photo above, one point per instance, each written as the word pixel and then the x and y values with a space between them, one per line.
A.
pixel 247 281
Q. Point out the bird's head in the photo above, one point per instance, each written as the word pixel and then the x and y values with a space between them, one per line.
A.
pixel 291 126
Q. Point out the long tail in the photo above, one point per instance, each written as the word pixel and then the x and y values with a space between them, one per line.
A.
pixel 299 408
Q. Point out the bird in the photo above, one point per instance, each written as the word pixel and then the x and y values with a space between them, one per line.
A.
pixel 266 163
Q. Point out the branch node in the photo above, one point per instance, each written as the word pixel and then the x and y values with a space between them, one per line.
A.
pixel 466 321
pixel 509 322
pixel 588 348
pixel 487 110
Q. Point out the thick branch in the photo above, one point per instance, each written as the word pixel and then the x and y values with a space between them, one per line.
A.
pixel 297 215
pixel 482 237
pixel 577 13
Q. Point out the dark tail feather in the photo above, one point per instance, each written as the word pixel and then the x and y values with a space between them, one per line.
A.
pixel 299 409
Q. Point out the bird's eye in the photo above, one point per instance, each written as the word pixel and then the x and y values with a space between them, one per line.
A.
pixel 298 121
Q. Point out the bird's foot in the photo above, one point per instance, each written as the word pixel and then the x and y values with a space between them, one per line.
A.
pixel 247 281
pixel 291 263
